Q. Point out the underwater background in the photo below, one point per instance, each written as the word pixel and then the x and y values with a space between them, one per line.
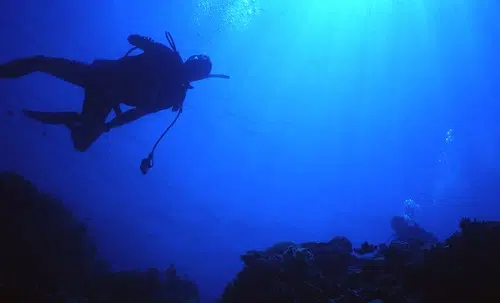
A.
pixel 336 113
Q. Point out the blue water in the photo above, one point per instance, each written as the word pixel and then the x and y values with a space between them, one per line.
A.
pixel 335 114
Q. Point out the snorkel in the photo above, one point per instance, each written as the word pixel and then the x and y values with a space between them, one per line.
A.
pixel 148 162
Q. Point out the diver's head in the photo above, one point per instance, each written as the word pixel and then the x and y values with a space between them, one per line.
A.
pixel 198 67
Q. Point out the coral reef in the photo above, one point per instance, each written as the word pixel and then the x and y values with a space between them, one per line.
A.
pixel 46 255
pixel 413 267
pixel 152 285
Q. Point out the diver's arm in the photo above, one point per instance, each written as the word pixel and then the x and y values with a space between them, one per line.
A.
pixel 129 116
pixel 144 43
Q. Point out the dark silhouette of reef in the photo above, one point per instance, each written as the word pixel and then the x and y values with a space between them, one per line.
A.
pixel 413 267
pixel 46 255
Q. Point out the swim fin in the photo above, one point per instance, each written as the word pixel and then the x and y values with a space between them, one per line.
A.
pixel 84 136
pixel 56 118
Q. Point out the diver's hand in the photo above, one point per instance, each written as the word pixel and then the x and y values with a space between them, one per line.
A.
pixel 136 40
pixel 177 107
pixel 144 43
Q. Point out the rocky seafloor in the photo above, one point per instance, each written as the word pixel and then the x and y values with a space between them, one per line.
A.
pixel 46 255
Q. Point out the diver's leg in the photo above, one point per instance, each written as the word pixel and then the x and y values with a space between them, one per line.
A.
pixel 69 119
pixel 68 70
pixel 93 119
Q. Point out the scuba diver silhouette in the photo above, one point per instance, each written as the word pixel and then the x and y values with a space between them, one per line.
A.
pixel 155 80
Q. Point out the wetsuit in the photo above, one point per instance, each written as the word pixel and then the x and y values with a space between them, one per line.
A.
pixel 150 82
